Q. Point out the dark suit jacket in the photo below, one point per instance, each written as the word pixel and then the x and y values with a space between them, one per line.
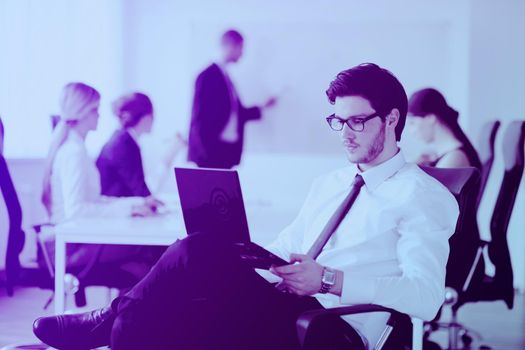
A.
pixel 212 106
pixel 120 167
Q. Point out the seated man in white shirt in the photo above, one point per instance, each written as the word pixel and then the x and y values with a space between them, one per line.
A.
pixel 390 249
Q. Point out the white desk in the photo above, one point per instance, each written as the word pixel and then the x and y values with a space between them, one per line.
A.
pixel 266 219
pixel 160 230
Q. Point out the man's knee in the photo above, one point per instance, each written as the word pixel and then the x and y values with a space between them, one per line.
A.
pixel 200 245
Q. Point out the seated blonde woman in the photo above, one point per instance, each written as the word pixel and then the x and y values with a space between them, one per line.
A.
pixel 72 182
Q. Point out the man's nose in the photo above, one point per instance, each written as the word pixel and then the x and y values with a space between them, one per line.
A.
pixel 347 133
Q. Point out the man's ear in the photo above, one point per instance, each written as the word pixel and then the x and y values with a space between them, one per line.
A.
pixel 392 118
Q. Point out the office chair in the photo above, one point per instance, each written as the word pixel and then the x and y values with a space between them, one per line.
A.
pixel 15 236
pixel 500 286
pixel 485 150
pixel 107 275
pixel 464 184
pixel 478 286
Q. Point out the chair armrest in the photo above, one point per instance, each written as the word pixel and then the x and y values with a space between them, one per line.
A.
pixel 38 228
pixel 308 318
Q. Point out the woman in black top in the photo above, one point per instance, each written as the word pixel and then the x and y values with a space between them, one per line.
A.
pixel 432 120
pixel 120 161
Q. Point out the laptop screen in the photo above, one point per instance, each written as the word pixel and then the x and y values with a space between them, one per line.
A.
pixel 211 201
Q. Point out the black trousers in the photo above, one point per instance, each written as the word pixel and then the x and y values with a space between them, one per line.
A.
pixel 200 295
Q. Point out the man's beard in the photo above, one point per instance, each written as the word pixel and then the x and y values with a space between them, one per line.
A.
pixel 375 148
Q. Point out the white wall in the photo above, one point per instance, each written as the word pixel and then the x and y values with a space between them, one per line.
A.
pixel 44 45
pixel 293 49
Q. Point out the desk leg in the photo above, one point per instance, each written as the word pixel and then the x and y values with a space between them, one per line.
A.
pixel 60 271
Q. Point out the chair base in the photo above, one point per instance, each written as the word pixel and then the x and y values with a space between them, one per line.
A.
pixel 459 336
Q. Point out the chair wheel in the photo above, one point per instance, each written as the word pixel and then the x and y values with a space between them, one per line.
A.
pixel 466 339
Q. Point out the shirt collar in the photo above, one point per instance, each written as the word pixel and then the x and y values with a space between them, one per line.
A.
pixel 133 134
pixel 375 176
pixel 224 69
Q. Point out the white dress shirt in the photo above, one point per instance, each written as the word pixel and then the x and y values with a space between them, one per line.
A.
pixel 75 186
pixel 392 246
pixel 230 133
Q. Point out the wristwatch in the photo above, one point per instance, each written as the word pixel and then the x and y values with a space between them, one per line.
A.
pixel 327 280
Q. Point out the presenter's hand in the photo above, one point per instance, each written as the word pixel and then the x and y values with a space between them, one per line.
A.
pixel 301 277
pixel 270 102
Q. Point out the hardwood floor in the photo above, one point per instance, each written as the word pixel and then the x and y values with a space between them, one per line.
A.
pixel 500 328
pixel 17 313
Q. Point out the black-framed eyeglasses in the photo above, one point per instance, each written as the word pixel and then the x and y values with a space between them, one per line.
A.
pixel 354 123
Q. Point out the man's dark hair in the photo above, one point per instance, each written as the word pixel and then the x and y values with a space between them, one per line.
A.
pixel 232 36
pixel 378 85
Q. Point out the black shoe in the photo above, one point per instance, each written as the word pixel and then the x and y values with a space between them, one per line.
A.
pixel 81 331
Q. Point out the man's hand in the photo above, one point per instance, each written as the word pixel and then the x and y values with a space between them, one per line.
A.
pixel 301 277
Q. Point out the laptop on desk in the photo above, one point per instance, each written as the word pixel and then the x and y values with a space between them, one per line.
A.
pixel 211 201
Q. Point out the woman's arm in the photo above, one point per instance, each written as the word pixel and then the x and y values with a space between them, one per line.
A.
pixel 454 159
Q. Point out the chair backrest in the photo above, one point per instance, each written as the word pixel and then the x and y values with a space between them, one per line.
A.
pixel 463 183
pixel 513 157
pixel 486 141
pixel 16 236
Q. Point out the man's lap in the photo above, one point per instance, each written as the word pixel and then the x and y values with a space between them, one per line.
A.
pixel 199 294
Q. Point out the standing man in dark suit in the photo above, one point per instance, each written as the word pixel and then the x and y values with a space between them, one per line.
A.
pixel 218 118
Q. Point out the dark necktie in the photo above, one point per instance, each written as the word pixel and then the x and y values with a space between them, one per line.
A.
pixel 336 218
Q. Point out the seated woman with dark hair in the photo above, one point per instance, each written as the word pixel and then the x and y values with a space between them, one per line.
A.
pixel 433 121
pixel 120 161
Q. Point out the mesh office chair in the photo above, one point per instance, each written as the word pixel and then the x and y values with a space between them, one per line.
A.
pixel 478 286
pixel 464 184
pixel 486 141
pixel 500 286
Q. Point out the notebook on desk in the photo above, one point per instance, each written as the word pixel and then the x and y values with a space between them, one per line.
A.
pixel 211 201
